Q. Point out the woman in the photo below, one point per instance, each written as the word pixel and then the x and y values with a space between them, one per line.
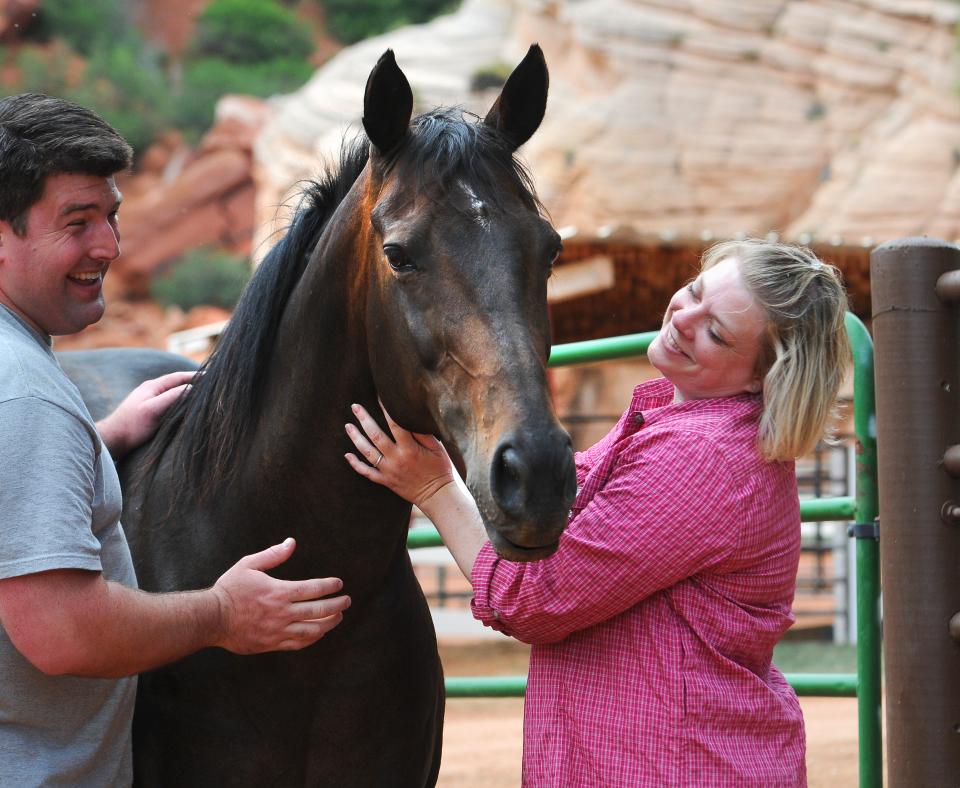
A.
pixel 653 625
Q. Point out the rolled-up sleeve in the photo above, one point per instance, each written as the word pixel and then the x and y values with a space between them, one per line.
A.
pixel 669 510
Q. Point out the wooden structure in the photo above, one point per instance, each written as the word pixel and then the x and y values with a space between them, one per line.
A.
pixel 648 270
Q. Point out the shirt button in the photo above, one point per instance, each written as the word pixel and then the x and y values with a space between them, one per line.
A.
pixel 638 419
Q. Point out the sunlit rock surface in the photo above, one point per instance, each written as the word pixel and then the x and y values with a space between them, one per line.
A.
pixel 805 117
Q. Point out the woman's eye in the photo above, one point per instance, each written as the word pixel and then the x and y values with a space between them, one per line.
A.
pixel 715 337
pixel 397 258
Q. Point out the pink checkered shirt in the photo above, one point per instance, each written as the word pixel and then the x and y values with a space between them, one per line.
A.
pixel 653 625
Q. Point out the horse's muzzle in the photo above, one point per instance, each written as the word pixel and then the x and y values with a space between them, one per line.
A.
pixel 533 483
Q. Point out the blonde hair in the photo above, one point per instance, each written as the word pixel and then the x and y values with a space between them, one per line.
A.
pixel 806 349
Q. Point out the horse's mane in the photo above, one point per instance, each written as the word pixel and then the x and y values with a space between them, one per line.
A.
pixel 213 420
pixel 214 417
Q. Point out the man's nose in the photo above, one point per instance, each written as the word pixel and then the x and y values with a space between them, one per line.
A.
pixel 106 243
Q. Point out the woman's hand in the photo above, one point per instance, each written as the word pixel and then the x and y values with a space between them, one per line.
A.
pixel 416 467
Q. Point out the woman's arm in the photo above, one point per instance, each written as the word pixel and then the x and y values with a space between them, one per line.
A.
pixel 668 511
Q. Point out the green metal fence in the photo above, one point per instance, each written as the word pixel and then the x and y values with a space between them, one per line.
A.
pixel 862 509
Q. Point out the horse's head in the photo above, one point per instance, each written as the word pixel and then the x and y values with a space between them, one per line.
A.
pixel 457 322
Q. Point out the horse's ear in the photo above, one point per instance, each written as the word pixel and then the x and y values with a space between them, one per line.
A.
pixel 519 108
pixel 387 104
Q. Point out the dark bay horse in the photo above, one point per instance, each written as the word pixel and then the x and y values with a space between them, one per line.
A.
pixel 415 273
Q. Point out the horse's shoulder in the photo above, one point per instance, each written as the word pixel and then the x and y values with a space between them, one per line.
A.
pixel 105 376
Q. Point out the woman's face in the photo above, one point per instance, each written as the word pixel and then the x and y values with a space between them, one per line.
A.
pixel 712 336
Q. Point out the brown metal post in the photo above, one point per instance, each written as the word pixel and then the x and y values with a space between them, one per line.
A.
pixel 916 330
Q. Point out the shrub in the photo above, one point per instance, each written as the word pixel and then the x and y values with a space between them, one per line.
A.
pixel 250 31
pixel 492 75
pixel 42 72
pixel 206 80
pixel 124 84
pixel 85 25
pixel 354 20
pixel 202 276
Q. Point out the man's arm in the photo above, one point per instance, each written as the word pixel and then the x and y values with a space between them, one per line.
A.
pixel 71 621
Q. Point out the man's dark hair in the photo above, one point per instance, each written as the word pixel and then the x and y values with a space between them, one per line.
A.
pixel 44 135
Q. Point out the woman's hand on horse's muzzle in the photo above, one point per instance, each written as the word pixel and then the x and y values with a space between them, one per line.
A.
pixel 261 613
pixel 414 466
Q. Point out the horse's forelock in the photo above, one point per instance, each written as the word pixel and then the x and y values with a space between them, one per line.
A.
pixel 444 148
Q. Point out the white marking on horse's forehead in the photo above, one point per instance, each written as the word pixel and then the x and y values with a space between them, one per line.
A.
pixel 478 206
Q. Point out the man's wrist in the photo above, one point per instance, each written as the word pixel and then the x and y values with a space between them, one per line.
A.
pixel 111 437
pixel 214 615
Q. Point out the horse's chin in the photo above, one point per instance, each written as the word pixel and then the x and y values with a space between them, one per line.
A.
pixel 516 552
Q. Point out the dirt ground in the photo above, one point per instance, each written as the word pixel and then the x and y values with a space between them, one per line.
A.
pixel 483 736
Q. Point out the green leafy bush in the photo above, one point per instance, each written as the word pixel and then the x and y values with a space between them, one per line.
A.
pixel 354 20
pixel 202 276
pixel 492 75
pixel 86 25
pixel 124 83
pixel 256 47
pixel 41 72
pixel 250 31
pixel 206 80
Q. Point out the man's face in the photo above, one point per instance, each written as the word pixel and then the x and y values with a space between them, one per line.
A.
pixel 53 276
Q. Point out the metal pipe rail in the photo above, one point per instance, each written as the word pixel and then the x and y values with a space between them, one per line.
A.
pixel 865 684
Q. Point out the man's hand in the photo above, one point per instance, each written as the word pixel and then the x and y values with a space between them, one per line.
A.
pixel 136 418
pixel 261 613
pixel 73 622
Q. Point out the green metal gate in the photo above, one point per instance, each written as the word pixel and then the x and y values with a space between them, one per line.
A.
pixel 862 509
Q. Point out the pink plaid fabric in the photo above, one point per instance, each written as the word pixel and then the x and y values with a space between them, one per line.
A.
pixel 653 625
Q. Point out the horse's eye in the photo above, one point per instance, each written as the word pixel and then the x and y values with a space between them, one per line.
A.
pixel 397 258
pixel 555 256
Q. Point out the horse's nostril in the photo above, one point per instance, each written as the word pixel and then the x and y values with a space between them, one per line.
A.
pixel 508 479
pixel 511 463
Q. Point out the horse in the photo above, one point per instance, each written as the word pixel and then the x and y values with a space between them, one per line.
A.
pixel 414 273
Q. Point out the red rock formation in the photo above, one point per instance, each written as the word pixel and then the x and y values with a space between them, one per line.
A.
pixel 14 16
pixel 183 199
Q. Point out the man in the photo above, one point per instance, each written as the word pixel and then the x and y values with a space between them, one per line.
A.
pixel 74 630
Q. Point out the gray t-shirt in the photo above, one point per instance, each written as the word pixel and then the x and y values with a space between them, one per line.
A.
pixel 59 509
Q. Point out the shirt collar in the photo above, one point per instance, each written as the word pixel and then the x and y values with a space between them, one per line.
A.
pixel 655 399
pixel 13 319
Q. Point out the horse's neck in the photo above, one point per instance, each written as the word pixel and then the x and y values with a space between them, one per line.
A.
pixel 320 363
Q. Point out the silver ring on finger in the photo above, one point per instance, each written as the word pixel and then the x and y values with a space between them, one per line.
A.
pixel 377 463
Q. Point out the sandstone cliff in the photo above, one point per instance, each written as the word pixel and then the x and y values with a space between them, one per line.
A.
pixel 815 119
